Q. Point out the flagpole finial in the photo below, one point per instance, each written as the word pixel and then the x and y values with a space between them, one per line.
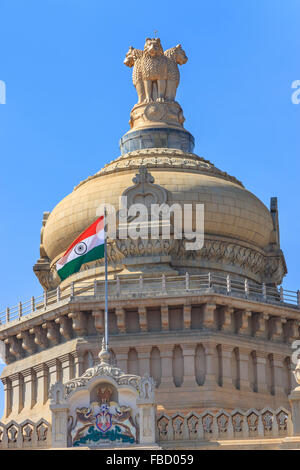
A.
pixel 104 354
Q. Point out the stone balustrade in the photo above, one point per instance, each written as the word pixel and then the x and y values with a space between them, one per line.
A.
pixel 220 425
pixel 25 435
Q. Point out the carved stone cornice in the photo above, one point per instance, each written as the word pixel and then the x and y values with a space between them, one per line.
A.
pixel 162 158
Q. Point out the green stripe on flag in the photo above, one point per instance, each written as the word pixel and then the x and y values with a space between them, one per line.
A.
pixel 75 265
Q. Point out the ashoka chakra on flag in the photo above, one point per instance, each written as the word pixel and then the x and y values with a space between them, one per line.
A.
pixel 89 246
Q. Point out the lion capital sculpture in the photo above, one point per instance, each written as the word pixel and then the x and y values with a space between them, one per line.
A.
pixel 155 72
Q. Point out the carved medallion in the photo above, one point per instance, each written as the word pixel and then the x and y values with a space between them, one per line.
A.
pixel 155 111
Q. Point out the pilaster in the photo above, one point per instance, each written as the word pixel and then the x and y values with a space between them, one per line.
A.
pixel 121 357
pixel 209 320
pixel 211 358
pixel 227 368
pixel 166 355
pixel 244 356
pixel 41 371
pixel 188 351
pixel 278 375
pixel 29 388
pixel 261 372
pixel 144 358
pixel 17 392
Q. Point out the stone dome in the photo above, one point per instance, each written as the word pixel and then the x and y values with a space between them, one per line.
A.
pixel 239 230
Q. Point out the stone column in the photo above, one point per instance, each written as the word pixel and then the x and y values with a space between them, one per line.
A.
pixel 211 358
pixel 188 351
pixel 144 358
pixel 226 366
pixel 244 355
pixel 41 383
pixel 120 314
pixel 187 316
pixel 17 395
pixel 261 372
pixel 143 318
pixel 99 320
pixel 166 355
pixel 121 357
pixel 164 317
pixel 209 320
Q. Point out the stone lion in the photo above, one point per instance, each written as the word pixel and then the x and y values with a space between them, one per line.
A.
pixel 133 59
pixel 154 70
pixel 175 56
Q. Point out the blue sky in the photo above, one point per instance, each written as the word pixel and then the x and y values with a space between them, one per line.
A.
pixel 69 97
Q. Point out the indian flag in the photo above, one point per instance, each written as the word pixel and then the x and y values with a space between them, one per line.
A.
pixel 89 246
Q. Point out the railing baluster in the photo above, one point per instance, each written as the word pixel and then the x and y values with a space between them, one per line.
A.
pixel 281 293
pixel 32 304
pixel 228 284
pixel 118 286
pixel 58 293
pixel 246 283
pixel 187 281
pixel 163 283
pixel 7 315
pixel 141 284
pixel 264 291
pixel 298 298
pixel 209 280
pixel 45 298
pixel 72 289
pixel 20 309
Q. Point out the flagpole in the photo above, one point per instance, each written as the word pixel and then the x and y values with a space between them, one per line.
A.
pixel 106 300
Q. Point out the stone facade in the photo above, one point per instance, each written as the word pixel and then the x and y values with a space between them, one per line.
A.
pixel 210 325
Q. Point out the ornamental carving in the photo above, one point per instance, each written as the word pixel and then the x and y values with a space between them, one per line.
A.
pixel 161 158
pixel 144 190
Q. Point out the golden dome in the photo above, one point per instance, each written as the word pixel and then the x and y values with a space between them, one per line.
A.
pixel 238 227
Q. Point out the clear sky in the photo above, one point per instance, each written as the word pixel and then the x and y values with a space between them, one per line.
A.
pixel 69 95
